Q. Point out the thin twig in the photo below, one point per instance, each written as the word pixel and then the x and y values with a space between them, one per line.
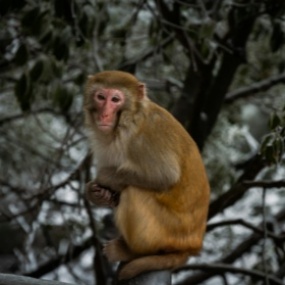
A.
pixel 24 115
pixel 265 183
pixel 241 222
pixel 266 279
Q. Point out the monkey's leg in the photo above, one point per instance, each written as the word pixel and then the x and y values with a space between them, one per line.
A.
pixel 117 250
pixel 101 196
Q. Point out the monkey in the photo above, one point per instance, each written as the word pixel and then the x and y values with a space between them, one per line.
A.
pixel 146 156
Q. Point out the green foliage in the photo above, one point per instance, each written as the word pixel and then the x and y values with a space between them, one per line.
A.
pixel 62 97
pixel 86 21
pixel 278 37
pixel 37 70
pixel 42 43
pixel 60 48
pixel 22 55
pixel 35 20
pixel 30 16
pixel 11 6
pixel 63 9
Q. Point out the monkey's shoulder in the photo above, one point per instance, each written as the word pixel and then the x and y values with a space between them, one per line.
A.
pixel 160 139
pixel 159 122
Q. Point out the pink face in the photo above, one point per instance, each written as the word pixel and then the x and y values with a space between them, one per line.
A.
pixel 108 102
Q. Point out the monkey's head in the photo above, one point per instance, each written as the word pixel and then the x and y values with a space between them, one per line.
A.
pixel 108 94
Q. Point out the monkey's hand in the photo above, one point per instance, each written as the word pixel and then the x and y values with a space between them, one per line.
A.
pixel 101 196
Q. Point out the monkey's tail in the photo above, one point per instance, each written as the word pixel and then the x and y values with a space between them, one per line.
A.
pixel 152 262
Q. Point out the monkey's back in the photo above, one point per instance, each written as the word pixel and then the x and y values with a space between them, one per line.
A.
pixel 173 219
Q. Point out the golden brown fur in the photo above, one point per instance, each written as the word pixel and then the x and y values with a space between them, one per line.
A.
pixel 156 165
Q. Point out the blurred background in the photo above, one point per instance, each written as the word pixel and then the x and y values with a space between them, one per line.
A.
pixel 218 66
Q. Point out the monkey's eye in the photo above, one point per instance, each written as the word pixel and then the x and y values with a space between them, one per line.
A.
pixel 116 99
pixel 100 97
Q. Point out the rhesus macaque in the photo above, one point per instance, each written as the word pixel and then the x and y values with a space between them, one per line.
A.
pixel 145 155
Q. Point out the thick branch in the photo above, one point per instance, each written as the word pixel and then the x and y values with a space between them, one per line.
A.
pixel 238 35
pixel 254 88
pixel 9 279
pixel 224 268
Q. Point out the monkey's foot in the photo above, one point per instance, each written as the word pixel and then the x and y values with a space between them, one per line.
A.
pixel 116 250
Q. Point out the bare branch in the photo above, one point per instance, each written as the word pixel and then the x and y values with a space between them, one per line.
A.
pixel 46 192
pixel 254 88
pixel 232 256
pixel 54 263
pixel 252 168
pixel 241 222
pixel 172 19
pixel 148 53
pixel 23 115
pixel 223 268
pixel 9 279
pixel 265 184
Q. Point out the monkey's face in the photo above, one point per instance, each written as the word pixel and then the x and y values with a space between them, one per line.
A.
pixel 111 99
pixel 107 102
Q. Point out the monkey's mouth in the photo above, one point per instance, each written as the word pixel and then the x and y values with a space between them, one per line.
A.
pixel 105 127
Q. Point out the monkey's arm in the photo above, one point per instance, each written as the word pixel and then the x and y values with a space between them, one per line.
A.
pixel 101 196
pixel 118 179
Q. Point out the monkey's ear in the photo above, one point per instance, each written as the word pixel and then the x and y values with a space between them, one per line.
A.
pixel 142 91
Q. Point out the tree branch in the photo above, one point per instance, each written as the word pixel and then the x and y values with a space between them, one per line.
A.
pixel 236 253
pixel 148 53
pixel 23 115
pixel 171 18
pixel 45 193
pixel 256 229
pixel 54 263
pixel 254 88
pixel 265 184
pixel 252 168
pixel 223 268
pixel 9 279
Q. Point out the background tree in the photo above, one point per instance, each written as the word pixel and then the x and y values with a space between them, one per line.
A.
pixel 217 65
